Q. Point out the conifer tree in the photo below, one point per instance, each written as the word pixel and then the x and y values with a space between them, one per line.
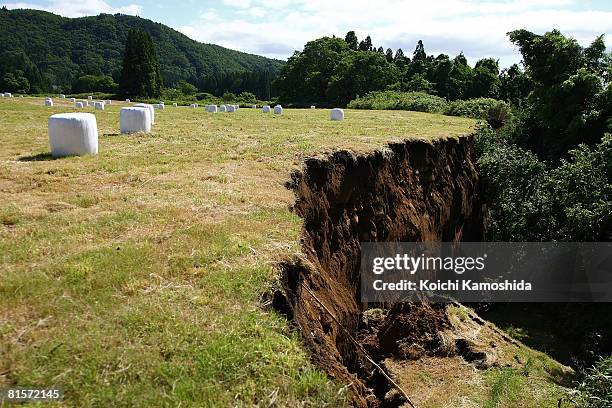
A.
pixel 141 76
pixel 351 40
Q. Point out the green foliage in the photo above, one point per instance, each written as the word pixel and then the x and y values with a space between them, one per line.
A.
pixel 140 76
pixel 351 40
pixel 359 73
pixel 186 88
pixel 15 82
pixel 18 73
pixel 94 83
pixel 495 112
pixel 595 391
pixel 67 48
pixel 529 202
pixel 570 97
pixel 413 101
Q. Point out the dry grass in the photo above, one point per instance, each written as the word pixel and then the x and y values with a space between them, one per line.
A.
pixel 133 278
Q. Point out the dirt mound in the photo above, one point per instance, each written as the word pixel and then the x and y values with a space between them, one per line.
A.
pixel 412 191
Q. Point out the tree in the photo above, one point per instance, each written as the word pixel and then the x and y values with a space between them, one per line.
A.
pixel 15 82
pixel 366 45
pixel 460 78
pixel 380 50
pixel 515 85
pixel 141 76
pixel 186 88
pixel 389 55
pixel 359 73
pixel 441 75
pixel 569 95
pixel 94 83
pixel 351 40
pixel 306 75
pixel 419 52
pixel 485 83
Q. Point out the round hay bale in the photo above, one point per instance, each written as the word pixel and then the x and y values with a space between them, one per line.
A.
pixel 73 100
pixel 231 108
pixel 90 98
pixel 278 110
pixel 266 109
pixel 99 105
pixel 337 114
pixel 62 96
pixel 135 119
pixel 253 106
pixel 223 108
pixel 128 101
pixel 73 134
pixel 8 95
pixel 175 104
pixel 108 102
pixel 211 108
pixel 151 109
pixel 48 102
pixel 313 107
pixel 159 106
pixel 79 105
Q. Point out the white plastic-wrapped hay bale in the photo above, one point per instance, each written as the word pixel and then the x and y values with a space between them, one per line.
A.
pixel 90 98
pixel 160 106
pixel 278 110
pixel 151 110
pixel 211 108
pixel 79 105
pixel 337 114
pixel 128 101
pixel 313 107
pixel 223 108
pixel 135 119
pixel 194 105
pixel 73 100
pixel 48 102
pixel 231 108
pixel 62 96
pixel 253 106
pixel 73 134
pixel 8 95
pixel 99 105
pixel 85 103
pixel 3 95
pixel 175 104
pixel 108 102
pixel 162 102
pixel 266 109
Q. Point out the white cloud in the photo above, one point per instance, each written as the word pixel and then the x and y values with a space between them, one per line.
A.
pixel 478 28
pixel 78 9
pixel 237 3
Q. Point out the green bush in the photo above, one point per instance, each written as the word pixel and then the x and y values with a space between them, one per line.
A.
pixel 595 391
pixel 393 100
pixel 527 201
pixel 495 112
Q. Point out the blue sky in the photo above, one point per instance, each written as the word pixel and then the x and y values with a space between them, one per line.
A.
pixel 276 28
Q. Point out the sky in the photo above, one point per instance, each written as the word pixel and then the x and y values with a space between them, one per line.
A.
pixel 275 28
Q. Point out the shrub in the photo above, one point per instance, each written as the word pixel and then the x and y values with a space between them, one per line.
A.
pixel 495 112
pixel 595 391
pixel 413 101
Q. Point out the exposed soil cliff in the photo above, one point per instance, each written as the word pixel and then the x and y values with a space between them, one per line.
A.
pixel 411 191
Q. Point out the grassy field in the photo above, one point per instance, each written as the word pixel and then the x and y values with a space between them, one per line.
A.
pixel 134 278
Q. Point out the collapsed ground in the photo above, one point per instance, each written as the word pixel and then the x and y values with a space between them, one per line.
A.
pixel 134 278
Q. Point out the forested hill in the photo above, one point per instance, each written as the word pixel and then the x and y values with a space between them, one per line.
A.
pixel 65 48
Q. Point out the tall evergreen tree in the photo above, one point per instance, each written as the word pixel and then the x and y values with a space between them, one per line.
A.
pixel 389 55
pixel 351 40
pixel 366 45
pixel 141 75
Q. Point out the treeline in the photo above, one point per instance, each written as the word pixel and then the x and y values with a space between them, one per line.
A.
pixel 547 175
pixel 42 52
pixel 334 71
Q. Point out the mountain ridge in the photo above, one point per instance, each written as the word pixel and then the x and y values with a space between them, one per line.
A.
pixel 65 48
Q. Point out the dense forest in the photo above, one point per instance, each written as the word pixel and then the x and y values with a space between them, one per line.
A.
pixel 41 52
pixel 334 71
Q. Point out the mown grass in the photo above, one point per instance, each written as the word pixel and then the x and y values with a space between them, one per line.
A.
pixel 134 278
